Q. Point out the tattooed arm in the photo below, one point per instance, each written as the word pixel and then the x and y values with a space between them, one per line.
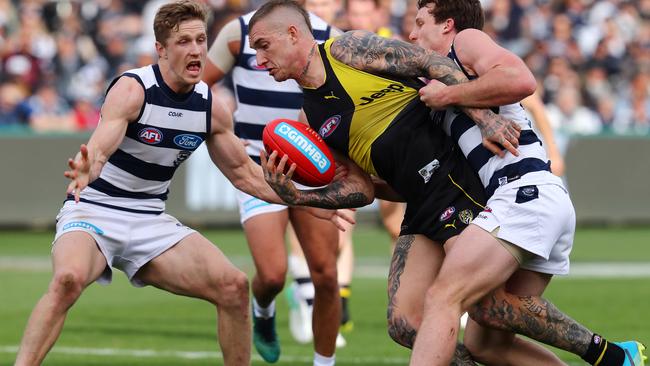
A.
pixel 353 189
pixel 369 52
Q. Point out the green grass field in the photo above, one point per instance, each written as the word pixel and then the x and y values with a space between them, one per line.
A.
pixel 122 325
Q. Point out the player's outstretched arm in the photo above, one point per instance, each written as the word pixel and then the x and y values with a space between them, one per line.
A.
pixel 123 103
pixel 229 155
pixel 349 190
pixel 369 52
pixel 223 52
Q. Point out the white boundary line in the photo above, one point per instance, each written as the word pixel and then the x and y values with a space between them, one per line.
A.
pixel 202 355
pixel 377 268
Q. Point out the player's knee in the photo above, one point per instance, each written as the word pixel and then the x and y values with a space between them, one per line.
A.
pixel 325 279
pixel 402 329
pixel 233 292
pixel 272 281
pixel 66 286
pixel 489 311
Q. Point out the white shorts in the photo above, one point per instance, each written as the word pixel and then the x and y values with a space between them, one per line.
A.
pixel 250 206
pixel 538 218
pixel 127 240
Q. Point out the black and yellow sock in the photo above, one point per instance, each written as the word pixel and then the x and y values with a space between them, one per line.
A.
pixel 345 292
pixel 603 353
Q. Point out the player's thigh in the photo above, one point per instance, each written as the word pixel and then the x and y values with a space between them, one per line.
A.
pixel 193 267
pixel 475 265
pixel 76 253
pixel 265 234
pixel 414 265
pixel 318 238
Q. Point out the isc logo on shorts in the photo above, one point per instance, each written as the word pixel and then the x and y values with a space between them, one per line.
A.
pixel 150 135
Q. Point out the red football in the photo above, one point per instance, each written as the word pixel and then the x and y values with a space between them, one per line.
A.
pixel 314 162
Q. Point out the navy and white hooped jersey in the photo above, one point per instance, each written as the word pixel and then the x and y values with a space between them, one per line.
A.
pixel 261 99
pixel 170 127
pixel 493 170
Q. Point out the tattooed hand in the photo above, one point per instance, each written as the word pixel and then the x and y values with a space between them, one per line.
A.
pixel 277 179
pixel 348 192
pixel 496 130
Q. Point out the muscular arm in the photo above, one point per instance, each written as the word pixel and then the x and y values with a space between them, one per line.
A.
pixel 229 155
pixel 353 189
pixel 503 78
pixel 122 105
pixel 371 53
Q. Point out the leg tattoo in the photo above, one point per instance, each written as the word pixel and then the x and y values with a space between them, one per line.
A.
pixel 534 317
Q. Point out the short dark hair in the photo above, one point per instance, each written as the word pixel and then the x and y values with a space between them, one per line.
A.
pixel 270 6
pixel 170 16
pixel 465 13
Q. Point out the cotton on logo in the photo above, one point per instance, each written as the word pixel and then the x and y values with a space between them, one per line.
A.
pixel 150 135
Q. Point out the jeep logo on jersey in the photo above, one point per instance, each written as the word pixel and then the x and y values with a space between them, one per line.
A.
pixel 252 63
pixel 329 126
pixel 150 135
pixel 188 141
pixel 302 143
pixel 392 88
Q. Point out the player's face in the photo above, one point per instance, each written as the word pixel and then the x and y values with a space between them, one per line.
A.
pixel 184 53
pixel 275 50
pixel 426 33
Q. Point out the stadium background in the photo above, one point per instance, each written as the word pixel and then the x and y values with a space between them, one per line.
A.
pixel 592 62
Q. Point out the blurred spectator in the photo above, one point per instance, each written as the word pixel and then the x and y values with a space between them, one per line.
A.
pixel 13 111
pixel 599 48
pixel 568 116
pixel 49 112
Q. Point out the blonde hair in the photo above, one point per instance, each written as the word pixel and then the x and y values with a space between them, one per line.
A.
pixel 170 16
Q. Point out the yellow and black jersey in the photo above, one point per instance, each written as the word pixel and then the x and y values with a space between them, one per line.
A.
pixel 380 123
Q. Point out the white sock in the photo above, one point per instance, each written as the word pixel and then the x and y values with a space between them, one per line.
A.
pixel 298 266
pixel 261 312
pixel 320 360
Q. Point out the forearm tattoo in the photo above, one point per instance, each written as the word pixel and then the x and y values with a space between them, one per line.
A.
pixel 369 52
pixel 398 328
pixel 332 196
pixel 533 317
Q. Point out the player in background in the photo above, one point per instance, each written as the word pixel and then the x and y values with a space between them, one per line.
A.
pixel 260 100
pixel 526 235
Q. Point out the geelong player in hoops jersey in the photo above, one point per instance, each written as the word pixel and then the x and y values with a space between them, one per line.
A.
pixel 152 120
pixel 260 99
pixel 530 213
pixel 373 124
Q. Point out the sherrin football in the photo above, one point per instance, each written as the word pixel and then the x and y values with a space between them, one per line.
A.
pixel 314 162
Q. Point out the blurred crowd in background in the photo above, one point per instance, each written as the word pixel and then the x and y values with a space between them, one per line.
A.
pixel 591 57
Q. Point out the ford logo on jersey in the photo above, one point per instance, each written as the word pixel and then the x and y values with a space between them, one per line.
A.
pixel 302 143
pixel 252 63
pixel 329 126
pixel 150 135
pixel 188 141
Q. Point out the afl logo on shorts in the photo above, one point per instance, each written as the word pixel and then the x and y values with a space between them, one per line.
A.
pixel 447 213
pixel 150 135
pixel 252 63
pixel 329 126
